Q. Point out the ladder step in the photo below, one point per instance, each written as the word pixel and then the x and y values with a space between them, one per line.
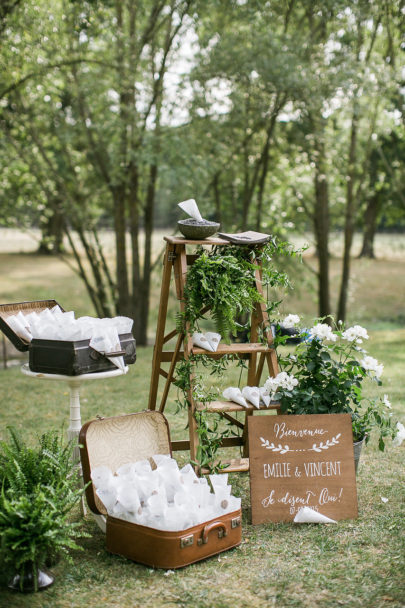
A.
pixel 236 465
pixel 230 406
pixel 244 349
pixel 235 348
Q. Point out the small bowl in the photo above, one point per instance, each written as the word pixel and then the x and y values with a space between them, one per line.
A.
pixel 194 230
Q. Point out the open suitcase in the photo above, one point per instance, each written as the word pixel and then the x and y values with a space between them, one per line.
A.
pixel 70 358
pixel 115 441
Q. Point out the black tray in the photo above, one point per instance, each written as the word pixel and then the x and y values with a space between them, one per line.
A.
pixel 59 356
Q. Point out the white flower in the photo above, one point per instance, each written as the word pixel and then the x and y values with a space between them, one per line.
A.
pixel 322 331
pixel 291 321
pixel 372 365
pixel 355 333
pixel 400 436
pixel 270 386
pixel 386 402
pixel 282 380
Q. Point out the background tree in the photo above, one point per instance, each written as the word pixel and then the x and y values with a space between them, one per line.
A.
pixel 275 116
pixel 88 121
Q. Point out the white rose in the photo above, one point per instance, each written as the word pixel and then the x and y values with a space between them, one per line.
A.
pixel 372 365
pixel 291 321
pixel 322 331
pixel 400 436
pixel 355 334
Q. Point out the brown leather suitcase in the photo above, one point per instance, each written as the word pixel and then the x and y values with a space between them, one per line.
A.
pixel 129 438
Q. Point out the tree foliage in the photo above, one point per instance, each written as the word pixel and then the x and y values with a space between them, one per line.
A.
pixel 273 115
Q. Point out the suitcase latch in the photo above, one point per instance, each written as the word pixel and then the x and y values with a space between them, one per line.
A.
pixel 186 541
pixel 235 522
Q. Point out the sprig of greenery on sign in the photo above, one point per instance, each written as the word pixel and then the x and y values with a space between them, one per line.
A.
pixel 223 280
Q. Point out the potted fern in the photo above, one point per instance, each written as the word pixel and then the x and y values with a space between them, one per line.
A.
pixel 38 492
pixel 222 281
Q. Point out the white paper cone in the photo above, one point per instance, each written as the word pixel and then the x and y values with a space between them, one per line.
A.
pixel 264 397
pixel 214 340
pixel 190 207
pixel 18 328
pixel 234 394
pixel 201 341
pixel 306 515
pixel 118 362
pixel 252 394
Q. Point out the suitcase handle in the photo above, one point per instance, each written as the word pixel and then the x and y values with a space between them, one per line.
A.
pixel 96 355
pixel 117 353
pixel 212 526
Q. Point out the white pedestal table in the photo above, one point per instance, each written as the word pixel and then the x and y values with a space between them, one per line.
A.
pixel 75 422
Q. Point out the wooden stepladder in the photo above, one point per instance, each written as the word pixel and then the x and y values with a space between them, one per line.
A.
pixel 177 261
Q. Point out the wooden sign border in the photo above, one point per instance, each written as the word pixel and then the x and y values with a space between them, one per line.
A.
pixel 305 460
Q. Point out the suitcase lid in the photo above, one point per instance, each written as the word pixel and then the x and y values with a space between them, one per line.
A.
pixel 118 440
pixel 7 310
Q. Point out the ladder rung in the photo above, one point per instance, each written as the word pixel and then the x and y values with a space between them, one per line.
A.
pixel 223 349
pixel 235 348
pixel 226 442
pixel 230 406
pixel 179 240
pixel 180 445
pixel 236 465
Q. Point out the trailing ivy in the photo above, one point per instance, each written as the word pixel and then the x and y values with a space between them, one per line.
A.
pixel 210 438
pixel 222 280
pixel 209 434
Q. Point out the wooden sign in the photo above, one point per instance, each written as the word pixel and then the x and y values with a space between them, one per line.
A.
pixel 301 461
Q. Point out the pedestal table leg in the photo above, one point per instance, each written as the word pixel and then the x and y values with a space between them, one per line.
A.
pixel 75 421
pixel 75 424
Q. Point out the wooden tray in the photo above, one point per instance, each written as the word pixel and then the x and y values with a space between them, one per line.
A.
pixel 246 238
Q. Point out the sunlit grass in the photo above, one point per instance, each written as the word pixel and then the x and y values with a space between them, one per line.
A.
pixel 357 563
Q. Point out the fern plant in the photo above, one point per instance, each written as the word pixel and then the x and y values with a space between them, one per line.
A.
pixel 39 488
pixel 223 280
pixel 224 283
pixel 22 468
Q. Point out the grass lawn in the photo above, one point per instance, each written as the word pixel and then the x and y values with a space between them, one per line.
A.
pixel 356 563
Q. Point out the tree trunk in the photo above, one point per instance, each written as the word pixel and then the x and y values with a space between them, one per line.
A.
pixel 142 334
pixel 370 227
pixel 246 187
pixel 123 299
pixel 52 233
pixel 262 183
pixel 217 198
pixel 321 229
pixel 349 222
pixel 133 202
